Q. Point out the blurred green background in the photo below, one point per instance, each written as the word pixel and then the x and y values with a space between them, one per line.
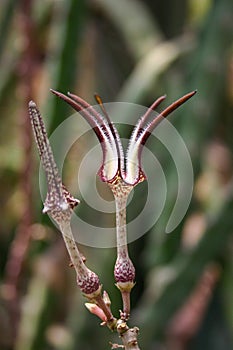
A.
pixel 132 51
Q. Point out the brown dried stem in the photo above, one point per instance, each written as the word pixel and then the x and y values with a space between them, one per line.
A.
pixel 19 247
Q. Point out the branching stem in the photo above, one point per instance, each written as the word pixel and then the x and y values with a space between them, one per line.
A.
pixel 129 336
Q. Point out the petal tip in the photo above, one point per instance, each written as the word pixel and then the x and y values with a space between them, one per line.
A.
pixel 54 92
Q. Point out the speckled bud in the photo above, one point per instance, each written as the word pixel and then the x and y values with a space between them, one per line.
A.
pixel 124 273
pixel 89 284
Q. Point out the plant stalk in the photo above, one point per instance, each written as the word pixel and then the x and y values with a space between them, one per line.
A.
pixel 128 336
pixel 124 270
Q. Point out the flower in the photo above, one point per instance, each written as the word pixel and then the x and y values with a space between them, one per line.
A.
pixel 121 172
pixel 117 167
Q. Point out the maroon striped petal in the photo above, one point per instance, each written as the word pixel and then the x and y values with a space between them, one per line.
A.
pixel 115 134
pixel 139 128
pixel 105 132
pixel 157 120
pixel 134 173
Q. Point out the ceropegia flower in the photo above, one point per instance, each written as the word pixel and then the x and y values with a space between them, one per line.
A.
pixel 115 165
pixel 121 172
pixel 59 204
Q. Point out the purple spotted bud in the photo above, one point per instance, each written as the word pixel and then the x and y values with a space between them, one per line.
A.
pixel 89 283
pixel 124 273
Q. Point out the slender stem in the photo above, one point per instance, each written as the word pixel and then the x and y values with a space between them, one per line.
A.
pixel 126 305
pixel 72 249
pixel 124 270
pixel 100 302
pixel 121 233
pixel 81 269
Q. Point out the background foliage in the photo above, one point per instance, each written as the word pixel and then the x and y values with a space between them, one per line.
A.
pixel 133 51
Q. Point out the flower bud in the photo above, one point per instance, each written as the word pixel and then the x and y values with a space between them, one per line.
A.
pixel 89 284
pixel 124 273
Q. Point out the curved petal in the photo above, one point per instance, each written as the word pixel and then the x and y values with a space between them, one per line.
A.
pixel 141 133
pixel 141 122
pixel 134 173
pixel 115 135
pixel 155 122
pixel 103 131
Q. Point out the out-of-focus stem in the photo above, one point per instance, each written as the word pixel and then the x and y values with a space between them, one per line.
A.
pixel 187 320
pixel 28 66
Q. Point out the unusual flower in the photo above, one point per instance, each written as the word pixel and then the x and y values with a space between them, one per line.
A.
pixel 121 172
pixel 115 165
